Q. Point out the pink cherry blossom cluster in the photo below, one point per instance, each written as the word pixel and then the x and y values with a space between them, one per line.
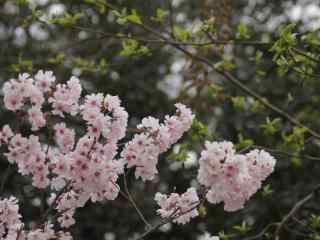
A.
pixel 10 222
pixel 29 94
pixel 232 178
pixel 11 227
pixel 89 163
pixel 84 163
pixel 93 171
pixel 30 157
pixel 155 138
pixel 86 166
pixel 181 208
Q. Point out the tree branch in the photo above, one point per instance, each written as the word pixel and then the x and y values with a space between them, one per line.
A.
pixel 131 200
pixel 234 80
pixel 5 178
pixel 294 210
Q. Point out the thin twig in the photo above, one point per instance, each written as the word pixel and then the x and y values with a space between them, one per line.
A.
pixel 131 199
pixel 280 152
pixel 172 217
pixel 175 214
pixel 233 79
pixel 237 82
pixel 120 191
pixel 53 204
pixel 171 18
pixel 306 55
pixel 262 233
pixel 294 210
pixel 5 178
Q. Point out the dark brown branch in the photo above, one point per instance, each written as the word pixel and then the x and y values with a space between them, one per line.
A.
pixel 262 233
pixel 306 55
pixel 234 80
pixel 55 200
pixel 132 201
pixel 284 153
pixel 173 216
pixel 294 210
pixel 4 179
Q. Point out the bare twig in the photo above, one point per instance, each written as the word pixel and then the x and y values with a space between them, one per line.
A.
pixel 304 54
pixel 294 210
pixel 5 178
pixel 131 199
pixel 54 202
pixel 262 233
pixel 173 216
pixel 284 153
pixel 237 82
pixel 171 18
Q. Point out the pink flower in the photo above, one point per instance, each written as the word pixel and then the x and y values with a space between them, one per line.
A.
pixel 64 137
pixel 10 219
pixel 36 118
pixel 232 178
pixel 27 153
pixel 144 149
pixel 13 101
pixel 66 98
pixel 44 80
pixel 5 134
pixel 181 208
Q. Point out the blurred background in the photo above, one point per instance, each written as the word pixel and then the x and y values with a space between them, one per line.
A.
pixel 150 84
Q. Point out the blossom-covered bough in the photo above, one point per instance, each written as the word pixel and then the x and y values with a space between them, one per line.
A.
pixel 81 165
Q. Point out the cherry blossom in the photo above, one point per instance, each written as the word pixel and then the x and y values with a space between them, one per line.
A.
pixel 66 97
pixel 155 138
pixel 232 178
pixel 12 228
pixel 10 219
pixel 84 164
pixel 44 80
pixel 181 208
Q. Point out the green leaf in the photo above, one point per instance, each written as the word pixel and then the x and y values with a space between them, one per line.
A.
pixel 179 153
pixel 160 15
pixel 239 102
pixel 243 143
pixel 224 65
pixel 21 2
pixel 22 65
pixel 199 130
pixel 287 40
pixel 180 33
pixel 242 32
pixel 134 17
pixel 315 221
pixel 258 57
pixel 58 59
pixel 224 236
pixel 131 47
pixel 243 228
pixel 214 90
pixel 297 137
pixel 271 126
pixel 90 65
pixel 202 210
pixel 267 190
pixel 98 4
pixel 67 19
pixel 256 106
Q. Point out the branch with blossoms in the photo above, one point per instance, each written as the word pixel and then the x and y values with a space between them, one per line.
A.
pixel 84 164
